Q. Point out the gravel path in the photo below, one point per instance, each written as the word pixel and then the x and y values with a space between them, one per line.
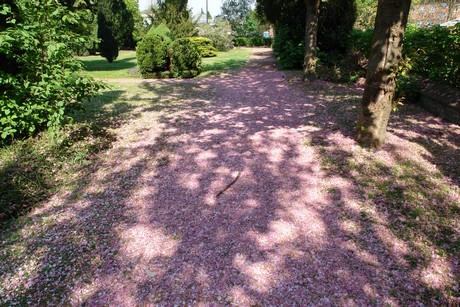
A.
pixel 226 203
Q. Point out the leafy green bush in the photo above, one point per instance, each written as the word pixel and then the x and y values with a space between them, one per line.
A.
pixel 288 51
pixel 163 31
pixel 219 33
pixel 434 53
pixel 336 67
pixel 408 89
pixel 242 41
pixel 361 41
pixel 205 46
pixel 152 56
pixel 185 59
pixel 46 84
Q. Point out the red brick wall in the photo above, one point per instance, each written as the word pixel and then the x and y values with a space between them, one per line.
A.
pixel 433 13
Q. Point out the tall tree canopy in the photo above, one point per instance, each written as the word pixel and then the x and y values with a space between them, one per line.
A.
pixel 175 15
pixel 314 23
pixel 384 60
pixel 236 12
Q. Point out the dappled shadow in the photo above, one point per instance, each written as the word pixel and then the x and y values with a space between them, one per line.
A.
pixel 241 190
pixel 30 180
pixel 102 64
pixel 440 138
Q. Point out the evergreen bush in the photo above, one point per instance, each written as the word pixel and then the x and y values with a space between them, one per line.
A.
pixel 185 59
pixel 163 31
pixel 288 51
pixel 108 46
pixel 204 45
pixel 153 56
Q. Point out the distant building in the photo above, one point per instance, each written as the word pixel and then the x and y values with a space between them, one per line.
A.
pixel 433 13
pixel 147 19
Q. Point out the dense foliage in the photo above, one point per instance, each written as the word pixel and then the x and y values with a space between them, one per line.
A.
pixel 204 45
pixel 115 27
pixel 43 82
pixel 434 53
pixel 185 59
pixel 237 13
pixel 159 56
pixel 365 11
pixel 255 41
pixel 219 33
pixel 288 48
pixel 138 25
pixel 152 56
pixel 174 14
pixel 336 21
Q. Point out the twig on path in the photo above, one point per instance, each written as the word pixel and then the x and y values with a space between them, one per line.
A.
pixel 229 185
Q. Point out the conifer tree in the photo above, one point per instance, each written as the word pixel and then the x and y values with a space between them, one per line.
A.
pixel 115 25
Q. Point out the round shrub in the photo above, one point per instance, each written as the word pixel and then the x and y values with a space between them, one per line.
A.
pixel 185 59
pixel 152 56
pixel 204 45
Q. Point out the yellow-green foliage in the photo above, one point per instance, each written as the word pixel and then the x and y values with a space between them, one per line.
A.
pixel 204 45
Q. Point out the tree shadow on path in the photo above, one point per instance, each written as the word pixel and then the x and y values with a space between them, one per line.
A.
pixel 227 199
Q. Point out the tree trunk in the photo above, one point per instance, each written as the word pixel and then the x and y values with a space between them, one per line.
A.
pixel 385 57
pixel 311 34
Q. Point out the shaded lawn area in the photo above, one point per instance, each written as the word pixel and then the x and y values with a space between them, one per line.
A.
pixel 126 64
pixel 98 67
pixel 398 208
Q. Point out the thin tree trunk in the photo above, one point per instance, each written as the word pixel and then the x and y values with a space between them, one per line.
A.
pixel 311 34
pixel 385 57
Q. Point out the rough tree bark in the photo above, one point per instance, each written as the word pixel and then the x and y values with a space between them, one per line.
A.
pixel 311 34
pixel 385 57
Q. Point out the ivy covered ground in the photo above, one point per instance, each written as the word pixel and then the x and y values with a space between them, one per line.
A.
pixel 243 189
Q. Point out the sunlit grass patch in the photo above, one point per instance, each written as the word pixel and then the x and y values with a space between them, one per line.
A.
pixel 125 66
pixel 225 62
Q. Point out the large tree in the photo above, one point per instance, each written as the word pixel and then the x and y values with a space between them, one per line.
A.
pixel 175 15
pixel 327 27
pixel 311 38
pixel 236 12
pixel 384 60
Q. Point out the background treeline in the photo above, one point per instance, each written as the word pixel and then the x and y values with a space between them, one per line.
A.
pixel 344 41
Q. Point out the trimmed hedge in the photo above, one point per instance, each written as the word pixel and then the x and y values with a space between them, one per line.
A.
pixel 152 56
pixel 258 41
pixel 185 59
pixel 205 46
pixel 432 53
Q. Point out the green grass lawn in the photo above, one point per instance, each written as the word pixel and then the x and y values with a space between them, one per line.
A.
pixel 126 62
pixel 98 67
pixel 225 62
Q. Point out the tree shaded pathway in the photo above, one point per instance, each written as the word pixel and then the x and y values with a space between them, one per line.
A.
pixel 230 198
